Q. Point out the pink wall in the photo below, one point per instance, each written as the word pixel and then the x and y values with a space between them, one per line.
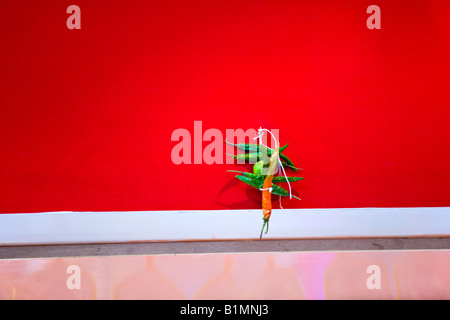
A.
pixel 294 275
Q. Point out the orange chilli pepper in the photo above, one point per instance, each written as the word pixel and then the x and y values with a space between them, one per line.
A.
pixel 266 190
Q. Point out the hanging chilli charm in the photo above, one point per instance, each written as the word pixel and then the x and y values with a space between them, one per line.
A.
pixel 266 161
pixel 267 190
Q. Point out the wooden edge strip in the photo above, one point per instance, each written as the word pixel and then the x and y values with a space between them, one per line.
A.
pixel 223 246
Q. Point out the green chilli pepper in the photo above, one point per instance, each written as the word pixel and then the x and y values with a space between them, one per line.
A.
pixel 247 157
pixel 248 174
pixel 254 147
pixel 258 184
pixel 274 179
pixel 252 182
pixel 255 157
pixel 288 161
pixel 283 179
pixel 276 189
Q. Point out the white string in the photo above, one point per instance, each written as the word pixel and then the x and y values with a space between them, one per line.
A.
pixel 260 133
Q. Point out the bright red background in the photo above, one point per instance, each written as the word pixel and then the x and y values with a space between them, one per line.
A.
pixel 87 115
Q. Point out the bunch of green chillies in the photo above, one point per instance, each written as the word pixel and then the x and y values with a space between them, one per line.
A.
pixel 257 152
pixel 256 179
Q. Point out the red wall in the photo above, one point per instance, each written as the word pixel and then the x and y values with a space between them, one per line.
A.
pixel 86 116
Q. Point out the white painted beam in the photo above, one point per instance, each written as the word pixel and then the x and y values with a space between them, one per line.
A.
pixel 117 227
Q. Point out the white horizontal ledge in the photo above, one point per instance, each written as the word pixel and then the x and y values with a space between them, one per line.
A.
pixel 138 226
